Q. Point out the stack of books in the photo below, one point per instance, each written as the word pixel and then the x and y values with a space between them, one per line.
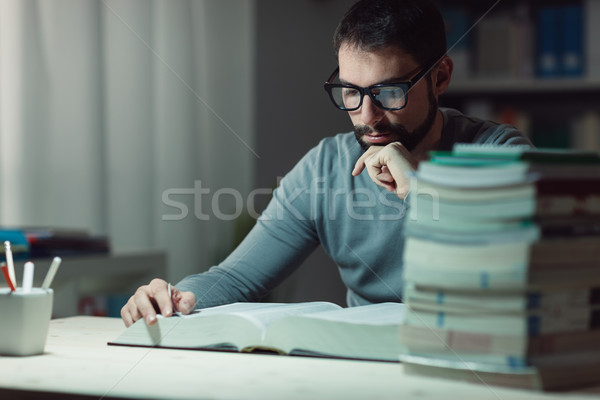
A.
pixel 502 267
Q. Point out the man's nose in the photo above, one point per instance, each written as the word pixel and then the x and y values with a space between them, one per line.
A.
pixel 370 114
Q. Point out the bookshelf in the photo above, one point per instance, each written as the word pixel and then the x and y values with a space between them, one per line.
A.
pixel 499 69
pixel 492 87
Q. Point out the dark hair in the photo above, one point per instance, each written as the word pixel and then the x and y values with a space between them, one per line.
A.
pixel 414 26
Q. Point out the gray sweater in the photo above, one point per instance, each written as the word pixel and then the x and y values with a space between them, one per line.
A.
pixel 359 224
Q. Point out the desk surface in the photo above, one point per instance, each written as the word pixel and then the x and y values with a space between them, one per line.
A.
pixel 78 363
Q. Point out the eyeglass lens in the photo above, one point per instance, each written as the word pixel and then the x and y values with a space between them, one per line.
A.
pixel 386 96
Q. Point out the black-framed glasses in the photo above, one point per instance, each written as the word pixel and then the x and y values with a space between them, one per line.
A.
pixel 387 96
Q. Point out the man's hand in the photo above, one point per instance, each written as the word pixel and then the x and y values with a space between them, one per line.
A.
pixel 155 296
pixel 387 166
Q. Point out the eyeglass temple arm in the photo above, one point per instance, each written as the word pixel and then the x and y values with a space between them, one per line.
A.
pixel 333 75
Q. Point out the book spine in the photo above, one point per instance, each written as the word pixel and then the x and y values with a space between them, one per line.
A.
pixel 576 187
pixel 507 348
pixel 457 41
pixel 564 319
pixel 592 37
pixel 572 61
pixel 561 343
pixel 549 32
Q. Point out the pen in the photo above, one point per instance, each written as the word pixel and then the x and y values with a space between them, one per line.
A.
pixel 51 272
pixel 10 263
pixel 7 277
pixel 27 277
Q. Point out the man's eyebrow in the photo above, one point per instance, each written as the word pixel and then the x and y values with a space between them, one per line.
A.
pixel 404 78
pixel 400 79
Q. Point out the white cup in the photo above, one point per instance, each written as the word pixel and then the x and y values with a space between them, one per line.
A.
pixel 24 321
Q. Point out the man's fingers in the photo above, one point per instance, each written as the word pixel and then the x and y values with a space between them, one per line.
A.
pixel 186 302
pixel 360 164
pixel 364 160
pixel 130 312
pixel 358 167
pixel 126 315
pixel 143 303
pixel 385 175
pixel 160 293
pixel 153 298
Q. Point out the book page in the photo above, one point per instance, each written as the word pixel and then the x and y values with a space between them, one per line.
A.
pixel 365 332
pixel 374 314
pixel 263 314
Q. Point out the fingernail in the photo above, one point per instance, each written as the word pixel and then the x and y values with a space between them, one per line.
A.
pixel 150 319
pixel 168 311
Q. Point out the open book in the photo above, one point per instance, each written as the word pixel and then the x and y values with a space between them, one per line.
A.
pixel 314 328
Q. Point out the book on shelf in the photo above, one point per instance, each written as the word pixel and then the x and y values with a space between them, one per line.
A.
pixel 458 41
pixel 18 242
pixel 46 242
pixel 572 60
pixel 548 47
pixel 496 40
pixel 592 38
pixel 584 131
pixel 515 116
pixel 504 44
pixel 523 28
pixel 526 40
pixel 560 41
pixel 312 329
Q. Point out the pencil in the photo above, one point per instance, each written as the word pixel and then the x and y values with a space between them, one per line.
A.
pixel 10 263
pixel 51 272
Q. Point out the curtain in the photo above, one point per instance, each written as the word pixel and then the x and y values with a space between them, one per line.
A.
pixel 113 112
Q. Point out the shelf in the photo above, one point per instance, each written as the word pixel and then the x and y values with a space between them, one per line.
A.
pixel 522 86
pixel 81 276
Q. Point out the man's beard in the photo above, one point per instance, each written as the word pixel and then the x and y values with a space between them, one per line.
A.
pixel 399 133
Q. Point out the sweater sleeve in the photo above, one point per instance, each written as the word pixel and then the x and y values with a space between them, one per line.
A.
pixel 283 236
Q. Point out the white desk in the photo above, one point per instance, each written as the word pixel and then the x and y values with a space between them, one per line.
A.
pixel 79 364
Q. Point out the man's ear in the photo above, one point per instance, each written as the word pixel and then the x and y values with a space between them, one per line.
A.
pixel 443 73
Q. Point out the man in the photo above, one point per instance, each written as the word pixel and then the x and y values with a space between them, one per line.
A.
pixel 392 70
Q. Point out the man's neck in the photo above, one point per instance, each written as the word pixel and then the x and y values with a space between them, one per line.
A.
pixel 431 141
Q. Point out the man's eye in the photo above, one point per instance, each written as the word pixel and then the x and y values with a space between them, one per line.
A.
pixel 349 92
pixel 392 92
